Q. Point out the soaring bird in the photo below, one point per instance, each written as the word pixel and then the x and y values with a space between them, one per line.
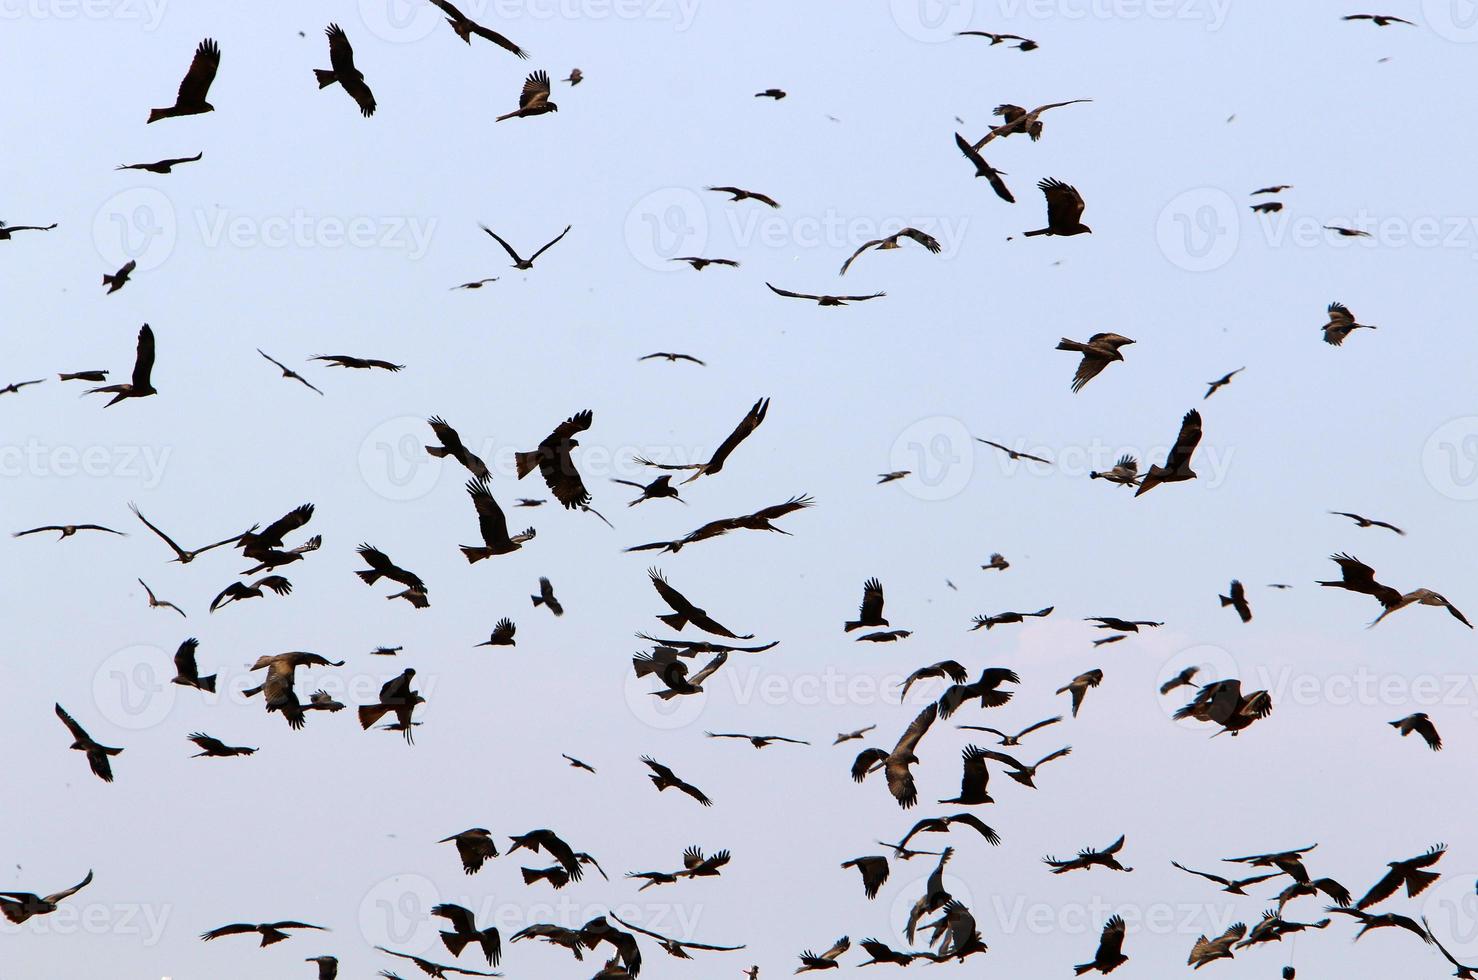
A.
pixel 1088 858
pixel 277 689
pixel 1462 972
pixel 464 931
pixel 156 603
pixel 889 477
pixel 253 543
pixel 216 749
pixel 65 531
pixel 1359 577
pixel 896 764
pixel 739 194
pixel 1183 679
pixel 1020 120
pixel 1422 725
pixel 1016 454
pixel 160 166
pixel 1022 773
pixel 973 778
pixel 771 93
pixel 502 635
pixel 1064 210
pixel 1007 618
pixel 271 932
pixel 1369 921
pixel 465 27
pixel 1221 382
pixel 97 754
pixel 359 363
pixel 380 566
pixel 551 844
pixel 1177 468
pixel 288 372
pixel 1012 740
pixel 20 906
pixel 397 697
pixel 93 376
pixel 1210 950
pixel 187 672
pixel 139 384
pixel 673 947
pixel 1347 232
pixel 1079 686
pixel 1027 44
pixel 983 689
pixel 350 78
pixel 655 490
pixel 451 445
pixel 1288 862
pixel 1379 20
pixel 874 871
pixel 1101 350
pixel 1367 522
pixel 1274 189
pixel 577 764
pixel 1222 703
pixel 546 597
pixel 493 526
pixel 474 846
pixel 552 460
pixel 849 736
pixel 827 960
pixel 1236 597
pixel 533 98
pixel 1268 207
pixel 270 558
pixel 671 357
pixel 699 264
pixel 952 669
pixel 824 299
pixel 1125 472
pixel 1410 873
pixel 983 169
pixel 891 241
pixel 1122 625
pixel 7 230
pixel 715 464
pixel 520 262
pixel 1110 953
pixel 241 590
pixel 870 613
pixel 1341 324
pixel 195 86
pixel 1231 886
pixel 575 77
pixel 663 778
pixel 684 612
pixel 758 741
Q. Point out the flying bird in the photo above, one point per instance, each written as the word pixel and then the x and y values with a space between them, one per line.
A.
pixel 119 279
pixel 186 672
pixel 577 764
pixel 742 431
pixel 350 78
pixel 1221 382
pixel 1268 207
pixel 663 778
pixel 533 100
pixel 1101 350
pixel 546 597
pixel 271 932
pixel 1236 597
pixel 1367 522
pixel 1020 120
pixel 1110 953
pixel 891 242
pixel 1014 454
pixel 739 194
pixel 983 169
pixel 1022 773
pixel 552 460
pixel 7 230
pixel 278 690
pixel 1379 20
pixel 1027 44
pixel 1064 210
pixel 1422 725
pixel 824 300
pixel 1223 703
pixel 1125 472
pixel 214 748
pixel 893 475
pixel 771 93
pixel 160 166
pixel 451 445
pixel 464 931
pixel 93 376
pixel 758 741
pixel 1012 740
pixel 1079 686
pixel 671 358
pixel 655 490
pixel 519 262
pixel 288 372
pixel 684 612
pixel 190 100
pixel 155 603
pixel 1007 618
pixel 699 264
pixel 492 525
pixel 465 27
pixel 474 847
pixel 1410 873
pixel 1347 232
pixel 827 960
pixel 1341 324
pixel 20 906
pixel 397 697
pixel 361 363
pixel 66 530
pixel 97 754
pixel 575 77
pixel 1231 886
pixel 502 635
pixel 1183 679
pixel 870 613
pixel 1089 858
pixel 139 384
pixel 874 871
pixel 1177 468
pixel 896 764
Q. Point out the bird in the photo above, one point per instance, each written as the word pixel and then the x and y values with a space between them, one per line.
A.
pixel 451 445
pixel 93 376
pixel 195 86
pixel 161 166
pixel 1183 679
pixel 1025 774
pixel 1369 921
pixel 1232 886
pixel 1210 950
pixel 739 194
pixel 1463 972
pixel 997 563
pixel 893 475
pixel 771 93
pixel 1236 597
pixel 1064 210
pixel 1367 522
pixel 155 603
pixel 1089 858
pixel 1020 120
pixel 97 754
pixel 520 263
pixel 492 525
pixel 1122 625
pixel 533 98
pixel 952 669
pixel 1379 20
pixel 476 283
pixel 874 871
pixel 465 27
pixel 253 543
pixel 577 764
pixel 1341 324
pixel 824 300
pixel 663 778
pixel 1110 953
pixel 288 372
pixel 884 636
pixel 328 966
pixel 1221 382
pixel 1410 873
pixel 431 969
pixel 1347 232
pixel 1274 189
pixel 870 612
pixel 186 672
pixel 1079 686
pixel 1268 207
pixel 270 558
pixel 973 779
pixel 15 386
pixel 20 906
pixel 139 384
pixel 896 764
pixel 882 953
pixel 1012 740
pixel 7 230
pixel 271 932
pixel 528 502
pixel 380 566
pixel 758 741
pixel 215 748
pixel 1006 618
pixel 278 690
pixel 240 590
pixel 655 490
pixel 502 635
pixel 575 77
pixel 849 736
pixel 396 697
pixel 983 689
pixel 66 530
pixel 1125 472
pixel 1422 725
pixel 1177 468
pixel 827 960
pixel 674 947
pixel 552 460
pixel 891 242
pixel 684 612
pixel 1288 862
pixel 715 463
pixel 983 169
pixel 672 358
pixel 1015 454
pixel 1223 703
pixel 699 264
pixel 1027 44
pixel 350 78
pixel 119 279
pixel 546 598
pixel 1100 350
pixel 474 846
pixel 360 363
pixel 464 931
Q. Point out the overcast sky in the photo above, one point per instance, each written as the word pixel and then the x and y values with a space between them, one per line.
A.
pixel 307 229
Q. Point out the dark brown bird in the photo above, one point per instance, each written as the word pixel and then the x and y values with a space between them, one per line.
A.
pixel 288 372
pixel 271 558
pixel 20 906
pixel 464 931
pixel 1012 453
pixel 466 27
pixel 502 635
pixel 699 264
pixel 739 194
pixel 66 530
pixel 673 947
pixel 1006 618
pixel 493 526
pixel 885 636
pixel 670 357
pixel 216 749
pixel 973 778
pixel 7 230
pixel 1125 472
pixel 983 169
pixel 93 376
pixel 747 425
pixel 1268 207
pixel 182 556
pixel 890 242
pixel 1064 210
pixel 1347 232
pixel 663 778
pixel 533 100
pixel 546 598
pixel 575 77
pixel 1367 522
pixel 870 613
pixel 1177 468
pixel 120 278
pixel 1222 703
pixel 874 871
pixel 1411 873
pixel 254 543
pixel 1027 44
pixel 1237 599
pixel 1287 862
pixel 894 475
pixel 1422 725
pixel 577 764
pixel 1341 324
pixel 827 960
pixel 1463 972
pixel 271 932
pixel 474 846
pixel 186 672
pixel 155 603
pixel 1369 921
pixel 1101 350
pixel 1379 20
pixel 1025 774
pixel 278 691
pixel 552 460
pixel 240 590
pixel 190 100
pixel 1122 625
pixel 758 741
pixel 361 363
pixel 824 300
pixel 984 689
pixel 1231 886
pixel 476 283
pixel 1210 950
pixel 341 57
pixel 658 488
pixel 397 697
pixel 451 445
pixel 97 754
pixel 1221 382
pixel 896 764
pixel 160 166
pixel 1110 953
pixel 139 384
pixel 518 261
pixel 952 669
pixel 684 612
pixel 380 566
pixel 15 386
pixel 1079 686
pixel 1088 858
pixel 771 93
pixel 1012 740
pixel 1275 189
pixel 1019 120
pixel 1182 679
pixel 849 736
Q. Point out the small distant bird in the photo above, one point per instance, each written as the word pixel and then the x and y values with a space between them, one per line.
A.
pixel 658 488
pixel 577 764
pixel 502 635
pixel 451 445
pixel 476 283
pixel 1221 382
pixel 1177 468
pixel 576 76
pixel 827 960
pixel 288 372
pixel 1088 858
pixel 699 263
pixel 1101 350
pixel 671 357
pixel 214 748
pixel 190 100
pixel 1079 686
pixel 1237 598
pixel 824 300
pixel 1110 953
pixel 983 169
pixel 397 697
pixel 874 871
pixel 894 475
pixel 474 846
pixel 758 741
pixel 160 166
pixel 1116 638
pixel 1347 232
pixel 465 27
pixel 271 932
pixel 1005 618
pixel 350 78
pixel 186 671
pixel 1026 43
pixel 1064 210
pixel 997 563
pixel 770 93
pixel 140 384
pixel 520 263
pixel 120 278
pixel 664 778
pixel 1275 189
pixel 1186 678
pixel 1341 324
pixel 1233 887
pixel 1122 625
pixel 870 613
pixel 1022 773
pixel 1367 522
pixel 20 906
pixel 97 754
pixel 546 598
pixel 66 530
pixel 1012 453
pixel 1125 472
pixel 1010 740
pixel 1268 207
pixel 360 363
pixel 528 502
pixel 1379 20
pixel 884 636
pixel 93 376
pixel 155 603
pixel 533 99
pixel 1423 726
pixel 739 194
pixel 891 242
pixel 849 736
pixel 385 651
pixel 240 590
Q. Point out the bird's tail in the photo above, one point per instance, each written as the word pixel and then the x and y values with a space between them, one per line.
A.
pixel 454 943
pixel 111 280
pixel 526 462
pixel 1083 968
pixel 207 683
pixel 1064 343
pixel 851 625
pixel 157 114
pixel 1416 881
pixel 369 575
pixel 437 451
pixel 371 713
pixel 250 692
pixel 1034 234
pixel 478 554
pixel 325 77
pixel 1224 601
pixel 506 115
pixel 538 600
pixel 676 620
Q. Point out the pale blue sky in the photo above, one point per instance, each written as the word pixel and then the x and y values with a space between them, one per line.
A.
pixel 247 249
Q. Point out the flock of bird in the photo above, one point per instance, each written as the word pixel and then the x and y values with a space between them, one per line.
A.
pixel 940 927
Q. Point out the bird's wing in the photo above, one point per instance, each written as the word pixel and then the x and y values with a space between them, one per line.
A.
pixel 556 238
pixel 1185 442
pixel 788 293
pixel 506 247
pixel 78 732
pixel 196 84
pixel 490 518
pixel 143 363
pixel 863 248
